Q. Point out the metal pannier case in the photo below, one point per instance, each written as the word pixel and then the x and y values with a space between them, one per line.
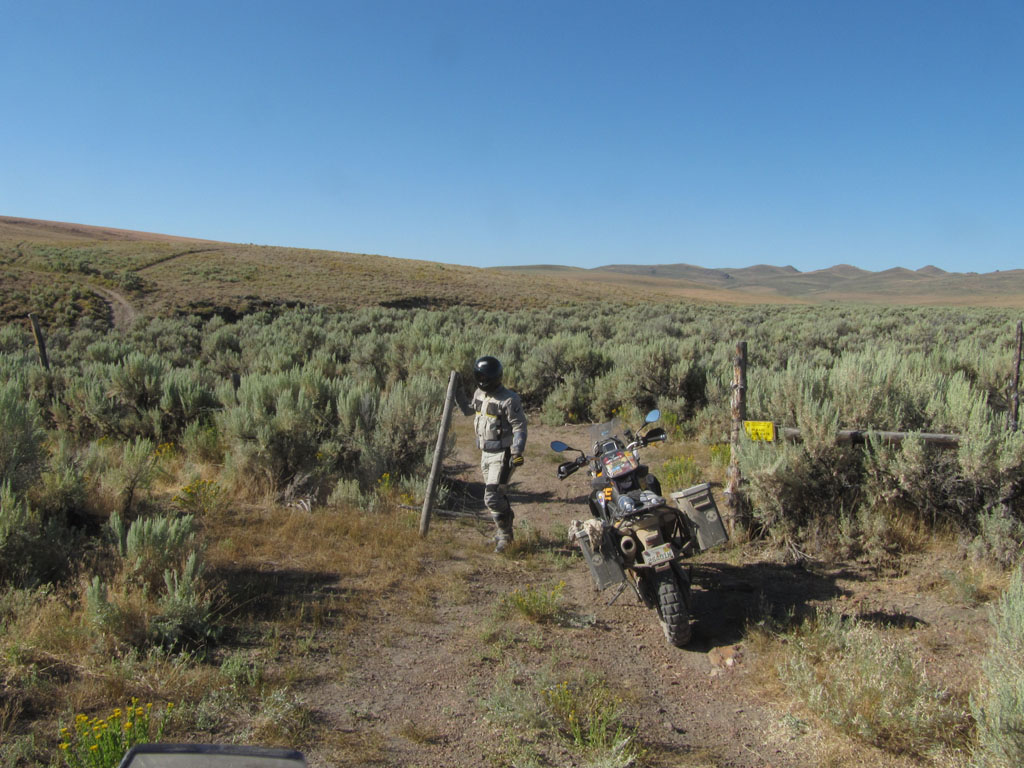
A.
pixel 603 563
pixel 698 504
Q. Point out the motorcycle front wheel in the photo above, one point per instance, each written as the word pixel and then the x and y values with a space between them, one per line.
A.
pixel 675 619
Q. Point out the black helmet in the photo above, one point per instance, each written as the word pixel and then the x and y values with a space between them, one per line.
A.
pixel 487 372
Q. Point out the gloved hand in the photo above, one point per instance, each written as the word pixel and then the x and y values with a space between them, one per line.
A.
pixel 517 459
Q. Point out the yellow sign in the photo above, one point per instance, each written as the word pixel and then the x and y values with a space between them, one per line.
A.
pixel 760 430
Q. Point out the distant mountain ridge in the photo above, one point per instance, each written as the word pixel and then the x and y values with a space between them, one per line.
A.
pixel 842 282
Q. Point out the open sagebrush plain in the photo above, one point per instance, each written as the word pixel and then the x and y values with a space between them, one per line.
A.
pixel 210 503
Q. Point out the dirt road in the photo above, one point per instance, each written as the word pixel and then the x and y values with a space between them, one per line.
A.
pixel 418 686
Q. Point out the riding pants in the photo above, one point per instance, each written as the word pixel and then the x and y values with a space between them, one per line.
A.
pixel 496 468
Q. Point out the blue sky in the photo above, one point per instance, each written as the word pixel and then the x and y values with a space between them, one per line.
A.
pixel 721 133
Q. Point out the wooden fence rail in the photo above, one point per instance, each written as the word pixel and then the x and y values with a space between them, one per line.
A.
pixel 860 436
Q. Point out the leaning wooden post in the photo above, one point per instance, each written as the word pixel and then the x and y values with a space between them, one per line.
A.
pixel 435 467
pixel 40 341
pixel 739 415
pixel 1015 385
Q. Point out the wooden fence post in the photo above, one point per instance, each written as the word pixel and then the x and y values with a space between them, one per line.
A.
pixel 739 415
pixel 1015 385
pixel 435 467
pixel 40 341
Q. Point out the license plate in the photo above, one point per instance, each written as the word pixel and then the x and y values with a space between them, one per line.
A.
pixel 660 554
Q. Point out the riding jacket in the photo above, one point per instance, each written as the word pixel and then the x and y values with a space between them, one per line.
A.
pixel 500 421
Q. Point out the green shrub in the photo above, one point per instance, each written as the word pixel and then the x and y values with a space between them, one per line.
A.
pixel 126 474
pixel 185 615
pixel 548 714
pixel 679 473
pixel 1000 538
pixel 998 702
pixel 537 604
pixel 273 426
pixel 32 550
pixel 152 546
pixel 201 441
pixel 62 492
pixel 869 687
pixel 200 498
pixel 21 437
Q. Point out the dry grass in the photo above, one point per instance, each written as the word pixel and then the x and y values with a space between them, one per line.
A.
pixel 285 574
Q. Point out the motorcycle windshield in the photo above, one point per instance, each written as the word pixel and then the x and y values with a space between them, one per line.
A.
pixel 601 432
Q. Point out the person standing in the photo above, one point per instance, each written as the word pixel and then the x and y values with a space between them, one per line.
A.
pixel 500 428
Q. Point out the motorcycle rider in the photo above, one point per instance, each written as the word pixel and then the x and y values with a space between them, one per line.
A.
pixel 500 427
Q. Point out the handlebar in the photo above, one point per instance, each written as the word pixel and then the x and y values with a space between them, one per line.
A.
pixel 567 468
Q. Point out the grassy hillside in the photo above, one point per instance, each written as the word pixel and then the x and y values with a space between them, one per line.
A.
pixel 49 268
pixel 63 271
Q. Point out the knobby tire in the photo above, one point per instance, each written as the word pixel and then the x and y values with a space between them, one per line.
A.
pixel 675 619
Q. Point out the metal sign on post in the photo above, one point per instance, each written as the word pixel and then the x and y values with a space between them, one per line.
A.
pixel 760 430
pixel 435 467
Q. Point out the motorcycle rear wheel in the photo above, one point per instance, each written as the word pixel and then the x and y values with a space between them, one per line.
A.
pixel 675 619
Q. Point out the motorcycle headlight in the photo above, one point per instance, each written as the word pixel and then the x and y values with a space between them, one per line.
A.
pixel 626 505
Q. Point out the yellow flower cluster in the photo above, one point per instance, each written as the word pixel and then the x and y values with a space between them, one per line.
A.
pixel 102 742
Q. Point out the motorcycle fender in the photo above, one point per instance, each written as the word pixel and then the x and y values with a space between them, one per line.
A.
pixel 685 576
pixel 650 537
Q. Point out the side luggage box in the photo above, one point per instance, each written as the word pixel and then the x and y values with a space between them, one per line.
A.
pixel 603 563
pixel 698 504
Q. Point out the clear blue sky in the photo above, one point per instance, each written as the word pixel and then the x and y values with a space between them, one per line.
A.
pixel 722 133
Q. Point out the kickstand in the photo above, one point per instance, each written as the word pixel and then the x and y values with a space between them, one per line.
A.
pixel 618 592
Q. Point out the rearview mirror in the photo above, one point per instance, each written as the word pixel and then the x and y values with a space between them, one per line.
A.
pixel 652 416
pixel 558 446
pixel 210 756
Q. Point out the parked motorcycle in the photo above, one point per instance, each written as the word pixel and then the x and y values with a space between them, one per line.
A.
pixel 633 535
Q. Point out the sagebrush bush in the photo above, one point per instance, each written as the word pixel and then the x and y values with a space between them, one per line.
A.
pixel 178 615
pixel 998 702
pixel 870 687
pixel 1000 538
pixel 34 548
pixel 185 614
pixel 330 396
pixel 21 436
pixel 153 546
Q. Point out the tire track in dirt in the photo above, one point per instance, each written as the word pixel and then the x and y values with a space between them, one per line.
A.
pixel 173 256
pixel 122 312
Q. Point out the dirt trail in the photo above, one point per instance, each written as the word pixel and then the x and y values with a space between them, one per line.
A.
pixel 122 312
pixel 417 688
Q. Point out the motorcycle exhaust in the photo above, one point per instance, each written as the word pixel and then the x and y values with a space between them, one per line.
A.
pixel 628 546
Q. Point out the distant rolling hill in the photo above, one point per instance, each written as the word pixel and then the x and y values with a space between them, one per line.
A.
pixel 841 283
pixel 62 270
